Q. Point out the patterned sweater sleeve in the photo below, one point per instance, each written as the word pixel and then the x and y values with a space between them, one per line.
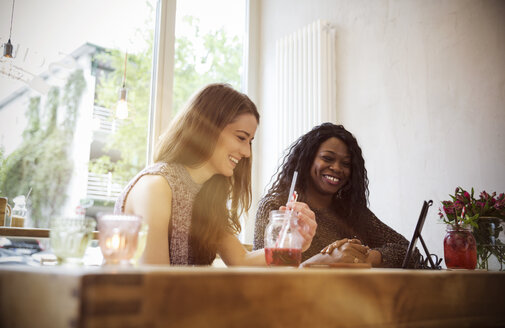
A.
pixel 392 245
pixel 267 204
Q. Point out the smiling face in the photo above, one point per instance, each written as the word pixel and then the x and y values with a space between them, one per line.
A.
pixel 331 168
pixel 233 144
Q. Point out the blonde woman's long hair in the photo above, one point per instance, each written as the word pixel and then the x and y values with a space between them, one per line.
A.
pixel 191 140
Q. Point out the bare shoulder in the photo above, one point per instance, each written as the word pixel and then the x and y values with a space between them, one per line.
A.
pixel 150 182
pixel 151 198
pixel 151 191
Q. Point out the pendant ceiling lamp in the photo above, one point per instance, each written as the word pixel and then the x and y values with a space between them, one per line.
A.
pixel 8 46
pixel 9 68
pixel 122 104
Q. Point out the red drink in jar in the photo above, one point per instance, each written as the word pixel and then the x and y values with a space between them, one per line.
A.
pixel 283 242
pixel 460 249
pixel 283 256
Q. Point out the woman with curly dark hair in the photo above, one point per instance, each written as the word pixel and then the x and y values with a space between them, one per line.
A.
pixel 332 180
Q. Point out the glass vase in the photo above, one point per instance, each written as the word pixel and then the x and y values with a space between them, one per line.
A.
pixel 490 238
pixel 460 250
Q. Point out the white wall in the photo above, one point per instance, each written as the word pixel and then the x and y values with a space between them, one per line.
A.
pixel 421 84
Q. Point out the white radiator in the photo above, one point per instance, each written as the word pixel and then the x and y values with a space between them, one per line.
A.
pixel 306 81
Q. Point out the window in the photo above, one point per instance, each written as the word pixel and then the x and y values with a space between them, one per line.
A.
pixel 209 37
pixel 60 138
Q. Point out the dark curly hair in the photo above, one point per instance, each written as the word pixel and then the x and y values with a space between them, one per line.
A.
pixel 300 157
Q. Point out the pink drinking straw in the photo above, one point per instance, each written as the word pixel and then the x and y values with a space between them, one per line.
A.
pixel 463 212
pixel 293 184
pixel 293 195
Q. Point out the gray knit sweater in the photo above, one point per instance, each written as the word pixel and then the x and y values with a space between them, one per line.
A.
pixel 365 226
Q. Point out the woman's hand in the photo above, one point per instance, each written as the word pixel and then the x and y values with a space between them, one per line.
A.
pixel 307 221
pixel 346 251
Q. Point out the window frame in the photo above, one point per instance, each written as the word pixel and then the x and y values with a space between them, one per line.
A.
pixel 160 114
pixel 163 66
pixel 163 74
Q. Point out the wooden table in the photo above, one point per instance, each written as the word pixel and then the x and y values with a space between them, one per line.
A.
pixel 36 233
pixel 158 296
pixel 24 232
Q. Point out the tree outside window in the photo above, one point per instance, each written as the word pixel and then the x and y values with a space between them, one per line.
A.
pixel 45 160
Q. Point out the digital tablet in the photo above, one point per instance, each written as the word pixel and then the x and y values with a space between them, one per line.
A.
pixel 417 235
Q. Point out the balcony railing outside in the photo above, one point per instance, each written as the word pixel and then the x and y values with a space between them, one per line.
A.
pixel 103 187
pixel 104 119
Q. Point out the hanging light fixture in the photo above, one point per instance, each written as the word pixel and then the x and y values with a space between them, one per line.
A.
pixel 8 46
pixel 9 69
pixel 122 104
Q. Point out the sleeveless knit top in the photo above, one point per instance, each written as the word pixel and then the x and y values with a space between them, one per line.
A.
pixel 184 191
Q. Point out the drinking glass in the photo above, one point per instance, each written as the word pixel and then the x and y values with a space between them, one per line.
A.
pixel 69 238
pixel 5 212
pixel 460 250
pixel 283 242
pixel 141 244
pixel 118 237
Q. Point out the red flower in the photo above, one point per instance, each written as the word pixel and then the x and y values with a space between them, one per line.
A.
pixel 463 201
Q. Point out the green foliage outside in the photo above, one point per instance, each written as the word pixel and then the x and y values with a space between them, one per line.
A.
pixel 3 169
pixel 222 63
pixel 42 162
pixel 130 137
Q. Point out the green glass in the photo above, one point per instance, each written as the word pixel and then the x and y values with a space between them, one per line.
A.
pixel 141 245
pixel 69 238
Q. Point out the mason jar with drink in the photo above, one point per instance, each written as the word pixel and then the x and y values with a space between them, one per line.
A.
pixel 283 242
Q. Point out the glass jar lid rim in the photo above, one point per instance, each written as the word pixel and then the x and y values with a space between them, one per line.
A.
pixel 459 227
pixel 282 215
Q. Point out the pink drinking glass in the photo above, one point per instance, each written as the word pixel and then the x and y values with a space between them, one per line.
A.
pixel 118 237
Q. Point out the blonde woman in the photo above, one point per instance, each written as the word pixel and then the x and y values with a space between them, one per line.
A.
pixel 200 183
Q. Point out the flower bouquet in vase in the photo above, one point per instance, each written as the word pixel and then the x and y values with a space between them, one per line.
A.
pixel 485 217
